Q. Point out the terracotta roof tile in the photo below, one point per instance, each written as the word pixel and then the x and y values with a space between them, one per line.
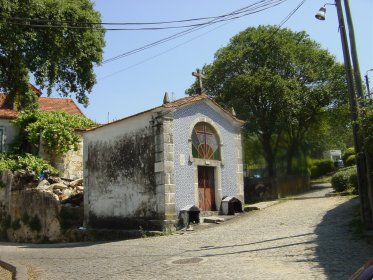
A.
pixel 59 104
pixel 185 100
pixel 45 104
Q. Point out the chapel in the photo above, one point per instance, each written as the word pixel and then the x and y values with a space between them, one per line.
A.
pixel 142 170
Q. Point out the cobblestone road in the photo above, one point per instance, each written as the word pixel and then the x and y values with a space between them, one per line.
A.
pixel 306 238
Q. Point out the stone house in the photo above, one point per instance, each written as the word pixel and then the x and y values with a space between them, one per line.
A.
pixel 69 165
pixel 140 171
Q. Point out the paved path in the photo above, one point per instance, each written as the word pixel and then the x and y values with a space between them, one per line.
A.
pixel 305 238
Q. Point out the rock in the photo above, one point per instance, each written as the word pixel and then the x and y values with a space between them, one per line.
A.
pixel 60 186
pixel 54 179
pixel 43 185
pixel 75 183
pixel 214 220
pixel 57 192
pixel 65 194
pixel 75 199
pixel 80 188
pixel 23 179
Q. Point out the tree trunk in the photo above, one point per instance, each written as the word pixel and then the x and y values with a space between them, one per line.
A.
pixel 270 158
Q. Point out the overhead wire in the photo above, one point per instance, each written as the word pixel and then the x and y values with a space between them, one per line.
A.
pixel 116 23
pixel 168 50
pixel 193 29
pixel 36 23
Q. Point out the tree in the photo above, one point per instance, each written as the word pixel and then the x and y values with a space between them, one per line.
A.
pixel 39 37
pixel 279 81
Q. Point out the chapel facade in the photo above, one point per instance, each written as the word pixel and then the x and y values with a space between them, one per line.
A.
pixel 140 171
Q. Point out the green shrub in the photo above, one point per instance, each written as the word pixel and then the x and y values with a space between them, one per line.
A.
pixel 321 167
pixel 345 179
pixel 351 160
pixel 353 180
pixel 56 129
pixel 26 162
pixel 348 152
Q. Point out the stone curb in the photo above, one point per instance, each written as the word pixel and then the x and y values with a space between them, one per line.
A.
pixel 18 272
pixel 260 205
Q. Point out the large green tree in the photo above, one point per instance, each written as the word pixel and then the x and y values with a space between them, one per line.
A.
pixel 279 81
pixel 44 38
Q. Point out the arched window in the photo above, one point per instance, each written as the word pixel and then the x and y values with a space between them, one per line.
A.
pixel 205 142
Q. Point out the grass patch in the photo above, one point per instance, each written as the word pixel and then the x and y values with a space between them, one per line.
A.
pixel 322 180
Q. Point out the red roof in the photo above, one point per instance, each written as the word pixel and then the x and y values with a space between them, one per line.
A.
pixel 59 104
pixel 45 104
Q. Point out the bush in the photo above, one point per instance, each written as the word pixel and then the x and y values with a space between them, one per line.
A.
pixel 351 160
pixel 321 167
pixel 347 153
pixel 345 179
pixel 55 129
pixel 25 162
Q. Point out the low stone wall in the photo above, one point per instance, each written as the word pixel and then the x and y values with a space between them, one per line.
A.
pixel 30 212
pixel 264 189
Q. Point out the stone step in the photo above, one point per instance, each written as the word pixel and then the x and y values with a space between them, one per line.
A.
pixel 213 220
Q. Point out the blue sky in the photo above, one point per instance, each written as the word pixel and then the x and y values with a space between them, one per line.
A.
pixel 138 82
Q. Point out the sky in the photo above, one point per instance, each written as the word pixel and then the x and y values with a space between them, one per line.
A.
pixel 138 82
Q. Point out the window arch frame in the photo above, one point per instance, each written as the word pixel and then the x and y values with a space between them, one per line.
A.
pixel 218 136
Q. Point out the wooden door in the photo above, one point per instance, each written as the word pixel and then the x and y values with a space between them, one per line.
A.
pixel 206 188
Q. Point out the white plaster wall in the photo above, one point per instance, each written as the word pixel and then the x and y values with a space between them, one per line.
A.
pixel 10 132
pixel 118 128
pixel 106 196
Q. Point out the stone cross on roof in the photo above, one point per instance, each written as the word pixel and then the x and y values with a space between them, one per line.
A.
pixel 200 76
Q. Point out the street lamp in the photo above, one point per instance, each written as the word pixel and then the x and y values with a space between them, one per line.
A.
pixel 321 14
pixel 360 160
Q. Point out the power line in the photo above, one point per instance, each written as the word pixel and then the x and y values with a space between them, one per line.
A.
pixel 36 23
pixel 262 6
pixel 170 49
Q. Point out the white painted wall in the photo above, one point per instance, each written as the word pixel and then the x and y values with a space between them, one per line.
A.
pixel 126 193
pixel 10 132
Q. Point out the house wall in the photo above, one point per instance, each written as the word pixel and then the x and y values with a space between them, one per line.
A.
pixel 119 175
pixel 228 174
pixel 10 132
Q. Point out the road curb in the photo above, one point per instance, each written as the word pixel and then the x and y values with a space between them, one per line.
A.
pixel 18 272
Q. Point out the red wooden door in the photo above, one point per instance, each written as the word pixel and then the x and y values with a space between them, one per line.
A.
pixel 206 188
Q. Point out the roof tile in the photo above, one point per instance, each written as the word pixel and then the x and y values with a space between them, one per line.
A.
pixel 45 104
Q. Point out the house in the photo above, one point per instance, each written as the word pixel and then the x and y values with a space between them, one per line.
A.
pixel 69 165
pixel 140 171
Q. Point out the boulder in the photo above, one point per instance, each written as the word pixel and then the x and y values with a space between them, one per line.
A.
pixel 54 179
pixel 60 186
pixel 75 183
pixel 43 185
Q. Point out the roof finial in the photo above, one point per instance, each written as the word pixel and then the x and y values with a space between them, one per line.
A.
pixel 166 98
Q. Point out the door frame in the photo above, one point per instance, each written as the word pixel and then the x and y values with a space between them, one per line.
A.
pixel 217 179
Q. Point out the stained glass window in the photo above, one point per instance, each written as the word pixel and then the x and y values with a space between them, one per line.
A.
pixel 205 142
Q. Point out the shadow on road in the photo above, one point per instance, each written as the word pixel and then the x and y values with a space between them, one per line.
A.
pixel 339 252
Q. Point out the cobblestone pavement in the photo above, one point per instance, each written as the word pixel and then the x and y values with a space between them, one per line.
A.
pixel 5 274
pixel 306 238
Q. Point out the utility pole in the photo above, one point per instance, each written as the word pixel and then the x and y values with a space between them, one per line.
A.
pixel 365 206
pixel 361 156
